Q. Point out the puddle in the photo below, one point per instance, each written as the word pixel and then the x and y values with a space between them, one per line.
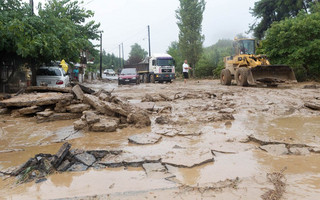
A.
pixel 295 129
pixel 89 183
pixel 225 166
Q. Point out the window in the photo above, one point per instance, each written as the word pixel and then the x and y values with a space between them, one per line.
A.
pixel 165 62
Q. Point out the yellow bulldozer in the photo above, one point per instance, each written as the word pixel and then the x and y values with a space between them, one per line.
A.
pixel 247 68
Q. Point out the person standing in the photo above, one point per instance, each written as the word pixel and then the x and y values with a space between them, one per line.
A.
pixel 185 69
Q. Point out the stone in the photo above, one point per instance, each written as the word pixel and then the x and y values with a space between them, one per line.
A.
pixel 78 108
pixel 29 163
pixel 61 154
pixel 99 153
pixel 85 158
pixel 4 111
pixel 91 117
pixel 153 167
pixel 79 124
pixel 104 97
pixel 58 116
pixel 143 139
pixel 299 151
pixel 111 160
pixel 38 99
pixel 29 110
pixel 226 110
pixel 312 105
pixel 96 103
pixel 78 167
pixel 146 105
pixel 275 149
pixel 45 113
pixel 162 120
pixel 61 106
pixel 139 118
pixel 78 92
pixel 106 124
pixel 64 166
pixel 187 158
pixel 46 165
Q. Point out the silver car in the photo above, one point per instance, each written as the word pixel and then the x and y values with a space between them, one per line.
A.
pixel 52 76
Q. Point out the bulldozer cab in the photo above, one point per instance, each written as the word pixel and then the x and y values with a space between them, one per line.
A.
pixel 244 46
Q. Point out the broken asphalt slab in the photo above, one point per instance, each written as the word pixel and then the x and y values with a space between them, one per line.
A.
pixel 144 139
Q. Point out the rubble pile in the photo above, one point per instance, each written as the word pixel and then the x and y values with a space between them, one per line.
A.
pixel 66 159
pixel 97 111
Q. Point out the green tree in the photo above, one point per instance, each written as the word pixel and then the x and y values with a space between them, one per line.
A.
pixel 58 32
pixel 137 54
pixel 174 51
pixel 211 62
pixel 268 11
pixel 190 16
pixel 296 42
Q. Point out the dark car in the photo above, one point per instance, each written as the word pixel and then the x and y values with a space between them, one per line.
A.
pixel 128 75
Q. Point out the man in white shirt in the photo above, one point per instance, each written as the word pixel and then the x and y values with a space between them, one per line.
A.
pixel 185 69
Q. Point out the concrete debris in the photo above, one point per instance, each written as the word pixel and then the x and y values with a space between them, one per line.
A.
pixel 37 99
pixel 85 158
pixel 195 158
pixel 143 139
pixel 275 149
pixel 109 112
pixel 78 167
pixel 312 105
pixel 29 110
pixel 78 108
pixel 78 92
pixel 299 151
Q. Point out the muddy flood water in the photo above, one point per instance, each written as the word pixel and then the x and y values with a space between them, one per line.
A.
pixel 216 142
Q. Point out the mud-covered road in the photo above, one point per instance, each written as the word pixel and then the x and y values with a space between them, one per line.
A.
pixel 206 141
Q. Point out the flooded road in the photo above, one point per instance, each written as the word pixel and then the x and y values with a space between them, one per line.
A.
pixel 206 150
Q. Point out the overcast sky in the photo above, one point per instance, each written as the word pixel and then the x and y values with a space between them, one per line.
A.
pixel 126 21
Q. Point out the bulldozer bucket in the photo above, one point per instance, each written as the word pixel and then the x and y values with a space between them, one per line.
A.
pixel 271 75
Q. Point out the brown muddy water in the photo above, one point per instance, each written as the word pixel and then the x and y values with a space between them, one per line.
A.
pixel 238 171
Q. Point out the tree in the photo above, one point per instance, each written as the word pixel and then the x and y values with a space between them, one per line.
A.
pixel 268 11
pixel 296 42
pixel 211 62
pixel 137 54
pixel 174 51
pixel 58 32
pixel 190 16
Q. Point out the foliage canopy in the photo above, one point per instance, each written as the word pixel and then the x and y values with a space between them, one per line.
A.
pixel 296 42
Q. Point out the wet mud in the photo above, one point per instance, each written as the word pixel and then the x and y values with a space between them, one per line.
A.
pixel 211 143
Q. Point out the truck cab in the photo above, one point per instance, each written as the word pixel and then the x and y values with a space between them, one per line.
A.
pixel 161 68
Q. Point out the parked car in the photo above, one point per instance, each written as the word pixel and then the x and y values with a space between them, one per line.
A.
pixel 128 75
pixel 52 76
pixel 109 72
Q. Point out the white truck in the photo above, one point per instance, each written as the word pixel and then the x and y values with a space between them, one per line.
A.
pixel 156 68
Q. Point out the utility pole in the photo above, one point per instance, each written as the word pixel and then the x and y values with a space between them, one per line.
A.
pixel 122 56
pixel 31 5
pixel 100 55
pixel 149 40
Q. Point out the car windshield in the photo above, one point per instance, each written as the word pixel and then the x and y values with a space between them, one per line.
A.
pixel 165 62
pixel 49 72
pixel 129 71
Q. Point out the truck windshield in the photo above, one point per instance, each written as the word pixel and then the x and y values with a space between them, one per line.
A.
pixel 247 46
pixel 165 62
